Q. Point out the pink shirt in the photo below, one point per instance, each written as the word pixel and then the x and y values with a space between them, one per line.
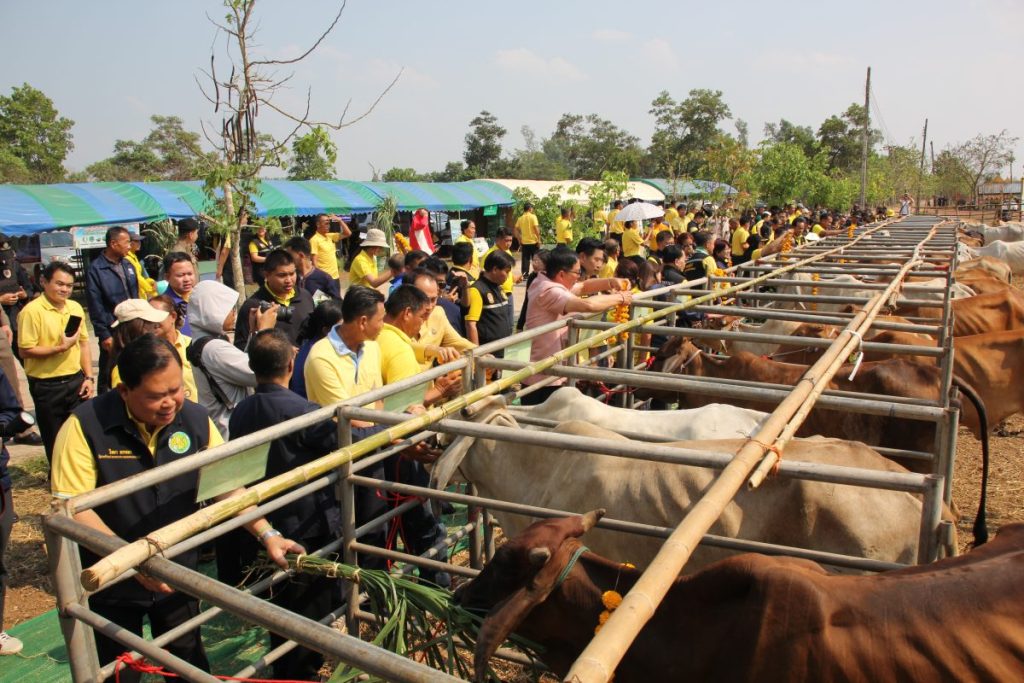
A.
pixel 547 304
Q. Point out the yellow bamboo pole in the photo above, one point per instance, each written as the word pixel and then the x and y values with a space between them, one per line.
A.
pixel 132 555
pixel 598 660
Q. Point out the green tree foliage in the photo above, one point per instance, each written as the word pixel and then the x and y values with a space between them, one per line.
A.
pixel 587 146
pixel 683 130
pixel 841 137
pixel 168 152
pixel 782 173
pixel 483 143
pixel 32 131
pixel 791 133
pixel 313 156
pixel 402 175
pixel 951 176
pixel 727 160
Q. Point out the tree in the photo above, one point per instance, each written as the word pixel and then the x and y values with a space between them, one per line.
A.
pixel 841 137
pixel 31 130
pixel 984 155
pixel 483 143
pixel 782 173
pixel 952 177
pixel 313 156
pixel 791 133
pixel 243 151
pixel 587 146
pixel 742 132
pixel 12 168
pixel 727 160
pixel 531 162
pixel 401 175
pixel 683 130
pixel 168 152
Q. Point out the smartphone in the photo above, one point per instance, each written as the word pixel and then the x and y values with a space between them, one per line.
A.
pixel 71 329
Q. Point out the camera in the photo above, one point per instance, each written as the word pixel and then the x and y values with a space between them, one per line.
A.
pixel 284 313
pixel 25 420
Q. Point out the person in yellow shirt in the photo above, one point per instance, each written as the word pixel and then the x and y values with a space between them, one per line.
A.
pixel 657 226
pixel 147 285
pixel 468 235
pixel 170 330
pixel 673 219
pixel 611 258
pixel 324 243
pixel 503 243
pixel 739 238
pixel 527 231
pixel 437 339
pixel 54 347
pixel 405 311
pixel 563 227
pixel 615 228
pixel 143 424
pixel 601 221
pixel 632 240
pixel 363 271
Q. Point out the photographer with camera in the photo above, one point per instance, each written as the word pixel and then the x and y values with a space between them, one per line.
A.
pixel 295 304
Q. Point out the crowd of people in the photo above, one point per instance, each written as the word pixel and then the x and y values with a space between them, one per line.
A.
pixel 185 365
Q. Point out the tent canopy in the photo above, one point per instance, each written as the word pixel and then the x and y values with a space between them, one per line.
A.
pixel 541 188
pixel 27 209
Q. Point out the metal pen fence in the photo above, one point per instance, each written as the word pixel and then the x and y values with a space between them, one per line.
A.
pixel 918 246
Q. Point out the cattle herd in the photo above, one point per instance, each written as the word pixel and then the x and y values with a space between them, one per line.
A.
pixel 743 616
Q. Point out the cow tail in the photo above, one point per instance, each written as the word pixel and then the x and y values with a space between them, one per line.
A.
pixel 980 523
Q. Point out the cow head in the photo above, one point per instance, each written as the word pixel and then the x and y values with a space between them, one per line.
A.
pixel 521 576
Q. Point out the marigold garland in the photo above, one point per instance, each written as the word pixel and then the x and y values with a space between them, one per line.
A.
pixel 621 313
pixel 402 243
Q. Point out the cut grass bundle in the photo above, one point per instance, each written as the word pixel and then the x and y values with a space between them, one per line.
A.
pixel 413 618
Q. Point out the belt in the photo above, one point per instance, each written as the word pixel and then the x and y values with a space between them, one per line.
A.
pixel 63 379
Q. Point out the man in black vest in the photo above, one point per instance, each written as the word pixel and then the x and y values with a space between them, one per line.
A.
pixel 145 423
pixel 279 287
pixel 313 521
pixel 488 319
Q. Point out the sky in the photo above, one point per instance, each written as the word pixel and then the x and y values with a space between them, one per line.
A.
pixel 111 64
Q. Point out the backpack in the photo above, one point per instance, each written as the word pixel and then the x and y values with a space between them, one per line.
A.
pixel 194 353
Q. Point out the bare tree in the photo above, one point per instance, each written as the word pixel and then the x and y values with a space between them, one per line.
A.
pixel 250 86
pixel 984 155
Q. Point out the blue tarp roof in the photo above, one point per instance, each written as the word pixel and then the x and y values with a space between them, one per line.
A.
pixel 26 209
pixel 688 188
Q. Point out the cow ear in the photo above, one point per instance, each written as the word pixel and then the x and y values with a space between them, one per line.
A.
pixel 539 557
pixel 502 620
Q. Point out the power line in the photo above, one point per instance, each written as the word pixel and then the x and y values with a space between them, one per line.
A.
pixel 889 139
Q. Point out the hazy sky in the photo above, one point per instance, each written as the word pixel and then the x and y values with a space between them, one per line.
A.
pixel 111 64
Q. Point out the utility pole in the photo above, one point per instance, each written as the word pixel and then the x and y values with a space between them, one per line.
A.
pixel 920 173
pixel 864 144
pixel 932 146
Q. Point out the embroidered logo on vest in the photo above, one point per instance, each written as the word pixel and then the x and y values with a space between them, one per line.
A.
pixel 179 442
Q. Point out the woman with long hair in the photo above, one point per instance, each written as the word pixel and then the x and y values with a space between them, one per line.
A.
pixel 325 316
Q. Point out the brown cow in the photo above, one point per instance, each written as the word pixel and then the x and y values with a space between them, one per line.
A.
pixel 758 618
pixel 982 282
pixel 895 377
pixel 995 267
pixel 988 313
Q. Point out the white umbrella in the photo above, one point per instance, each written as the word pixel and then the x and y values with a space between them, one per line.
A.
pixel 639 211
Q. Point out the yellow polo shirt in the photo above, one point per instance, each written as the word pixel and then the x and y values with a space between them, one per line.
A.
pixel 41 324
pixel 397 359
pixel 437 331
pixel 631 242
pixel 74 468
pixel 362 265
pixel 673 219
pixel 529 228
pixel 476 257
pixel 739 237
pixel 324 255
pixel 615 227
pixel 563 230
pixel 608 269
pixel 652 239
pixel 510 281
pixel 332 376
pixel 817 229
pixel 686 220
pixel 600 220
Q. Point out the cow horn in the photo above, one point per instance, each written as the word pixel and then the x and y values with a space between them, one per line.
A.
pixel 539 557
pixel 593 517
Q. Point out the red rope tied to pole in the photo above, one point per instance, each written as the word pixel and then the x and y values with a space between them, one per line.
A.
pixel 773 449
pixel 142 666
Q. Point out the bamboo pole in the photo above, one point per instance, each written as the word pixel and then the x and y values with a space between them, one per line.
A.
pixel 602 655
pixel 135 553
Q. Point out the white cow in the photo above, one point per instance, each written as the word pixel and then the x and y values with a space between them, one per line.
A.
pixel 713 421
pixel 1006 232
pixel 864 522
pixel 1010 252
pixel 853 289
pixel 782 327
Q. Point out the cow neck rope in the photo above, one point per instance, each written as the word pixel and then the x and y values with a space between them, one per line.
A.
pixel 573 559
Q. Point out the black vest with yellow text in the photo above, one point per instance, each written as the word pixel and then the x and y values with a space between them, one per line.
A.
pixel 119 452
pixel 494 317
